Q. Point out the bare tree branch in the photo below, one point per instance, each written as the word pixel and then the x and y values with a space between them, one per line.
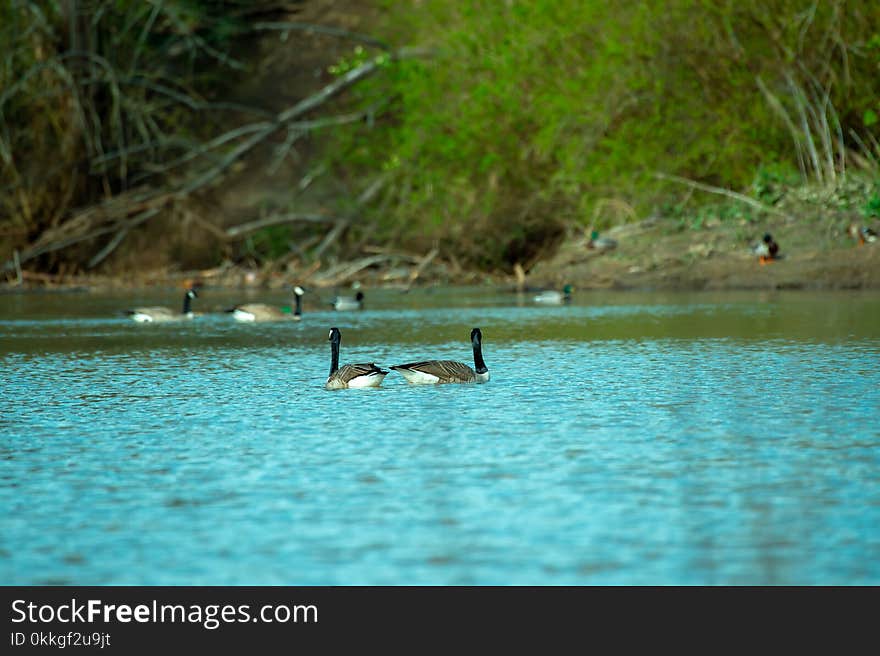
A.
pixel 721 191
pixel 118 238
pixel 276 219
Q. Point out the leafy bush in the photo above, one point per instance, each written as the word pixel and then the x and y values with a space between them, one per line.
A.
pixel 536 116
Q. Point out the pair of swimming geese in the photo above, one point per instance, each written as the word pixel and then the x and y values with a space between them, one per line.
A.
pixel 248 312
pixel 424 372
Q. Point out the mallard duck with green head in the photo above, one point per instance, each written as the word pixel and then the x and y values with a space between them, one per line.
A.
pixel 554 296
pixel 601 244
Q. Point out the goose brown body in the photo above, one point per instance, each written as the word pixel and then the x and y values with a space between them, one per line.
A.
pixel 445 371
pixel 448 371
pixel 255 312
pixel 159 314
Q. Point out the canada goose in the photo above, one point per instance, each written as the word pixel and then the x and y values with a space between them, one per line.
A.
pixel 348 302
pixel 350 375
pixel 160 314
pixel 862 234
pixel 600 244
pixel 554 297
pixel 448 371
pixel 767 249
pixel 263 312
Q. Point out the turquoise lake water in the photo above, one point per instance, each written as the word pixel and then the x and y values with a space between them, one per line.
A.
pixel 623 439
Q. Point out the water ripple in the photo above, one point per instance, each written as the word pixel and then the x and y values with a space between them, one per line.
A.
pixel 644 443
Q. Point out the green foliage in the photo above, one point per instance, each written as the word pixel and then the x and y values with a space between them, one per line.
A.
pixel 872 206
pixel 529 118
pixel 345 64
pixel 536 115
pixel 771 180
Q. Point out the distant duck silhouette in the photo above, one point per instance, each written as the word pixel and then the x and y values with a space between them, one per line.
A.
pixel 252 312
pixel 767 249
pixel 343 303
pixel 862 234
pixel 601 244
pixel 553 296
pixel 164 314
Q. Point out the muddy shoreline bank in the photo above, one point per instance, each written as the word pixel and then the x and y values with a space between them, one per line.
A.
pixel 649 255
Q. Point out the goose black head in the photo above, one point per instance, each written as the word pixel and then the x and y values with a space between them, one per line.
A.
pixel 335 335
pixel 359 296
pixel 476 336
pixel 191 293
pixel 767 238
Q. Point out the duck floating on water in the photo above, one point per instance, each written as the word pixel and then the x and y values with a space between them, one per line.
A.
pixel 553 296
pixel 767 249
pixel 343 303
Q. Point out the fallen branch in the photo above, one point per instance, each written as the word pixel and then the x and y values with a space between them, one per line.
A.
pixel 331 237
pixel 118 238
pixel 420 267
pixel 101 255
pixel 110 217
pixel 341 273
pixel 342 82
pixel 79 228
pixel 275 219
pixel 400 255
pixel 228 160
pixel 721 191
pixel 265 129
pixel 341 225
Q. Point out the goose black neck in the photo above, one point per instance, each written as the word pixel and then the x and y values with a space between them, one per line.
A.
pixel 334 356
pixel 479 365
pixel 298 309
pixel 187 300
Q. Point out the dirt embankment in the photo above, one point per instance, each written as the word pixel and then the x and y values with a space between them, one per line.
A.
pixel 661 254
pixel 651 254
